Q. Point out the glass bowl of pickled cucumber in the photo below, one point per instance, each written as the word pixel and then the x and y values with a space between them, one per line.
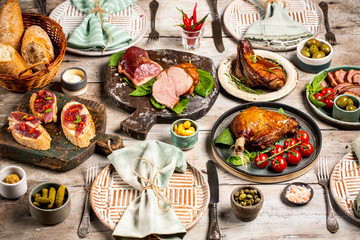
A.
pixel 184 133
pixel 50 203
pixel 313 55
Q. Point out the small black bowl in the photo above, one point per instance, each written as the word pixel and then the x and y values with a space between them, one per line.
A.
pixel 285 199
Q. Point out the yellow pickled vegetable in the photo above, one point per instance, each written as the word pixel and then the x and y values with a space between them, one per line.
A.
pixel 42 200
pixel 52 193
pixel 175 129
pixel 187 124
pixel 60 195
pixel 45 192
pixel 184 129
pixel 11 179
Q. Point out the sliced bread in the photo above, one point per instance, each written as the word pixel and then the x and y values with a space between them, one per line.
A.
pixel 11 63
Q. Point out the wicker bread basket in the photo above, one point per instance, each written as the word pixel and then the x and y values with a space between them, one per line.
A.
pixel 41 78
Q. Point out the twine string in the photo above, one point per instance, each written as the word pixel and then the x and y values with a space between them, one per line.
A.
pixel 101 11
pixel 153 184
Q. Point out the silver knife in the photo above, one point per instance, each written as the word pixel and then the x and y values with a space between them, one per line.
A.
pixel 216 26
pixel 214 231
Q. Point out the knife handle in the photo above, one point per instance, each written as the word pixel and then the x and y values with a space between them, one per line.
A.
pixel 214 231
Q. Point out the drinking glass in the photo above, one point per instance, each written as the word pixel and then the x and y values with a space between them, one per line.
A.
pixel 191 39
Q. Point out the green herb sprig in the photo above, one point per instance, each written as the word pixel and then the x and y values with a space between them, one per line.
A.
pixel 242 86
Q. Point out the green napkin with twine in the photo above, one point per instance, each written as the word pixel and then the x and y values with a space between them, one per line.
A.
pixel 356 148
pixel 276 29
pixel 148 167
pixel 95 33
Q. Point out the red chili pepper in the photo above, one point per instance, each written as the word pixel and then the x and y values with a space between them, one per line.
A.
pixel 69 118
pixel 186 19
pixel 198 27
pixel 38 100
pixel 194 14
pixel 202 20
pixel 81 123
pixel 80 128
pixel 32 130
pixel 29 118
pixel 73 110
pixel 23 127
pixel 41 92
pixel 45 107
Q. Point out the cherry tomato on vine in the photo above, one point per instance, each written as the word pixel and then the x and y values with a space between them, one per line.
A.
pixel 329 101
pixel 290 142
pixel 279 164
pixel 306 149
pixel 276 149
pixel 302 136
pixel 326 91
pixel 293 157
pixel 261 160
pixel 318 97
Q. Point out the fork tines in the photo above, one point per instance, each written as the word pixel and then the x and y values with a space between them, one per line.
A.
pixel 322 168
pixel 91 171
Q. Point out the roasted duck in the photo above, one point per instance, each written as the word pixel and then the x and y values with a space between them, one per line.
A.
pixel 256 128
pixel 258 71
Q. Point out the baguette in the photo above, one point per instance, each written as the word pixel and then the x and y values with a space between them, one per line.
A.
pixel 11 63
pixel 40 102
pixel 37 46
pixel 29 133
pixel 11 24
pixel 77 124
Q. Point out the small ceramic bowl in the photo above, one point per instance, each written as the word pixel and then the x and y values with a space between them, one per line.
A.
pixel 285 195
pixel 184 142
pixel 311 64
pixel 74 81
pixel 13 190
pixel 246 213
pixel 348 116
pixel 50 216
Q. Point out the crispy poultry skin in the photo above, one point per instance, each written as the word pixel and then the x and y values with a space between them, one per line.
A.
pixel 258 71
pixel 256 128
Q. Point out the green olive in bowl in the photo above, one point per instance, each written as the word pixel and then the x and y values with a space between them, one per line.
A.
pixel 306 53
pixel 325 48
pixel 319 54
pixel 350 107
pixel 342 102
pixel 313 49
pixel 312 42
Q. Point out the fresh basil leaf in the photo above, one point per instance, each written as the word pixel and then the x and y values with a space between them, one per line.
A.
pixel 144 89
pixel 206 83
pixel 128 81
pixel 309 88
pixel 181 106
pixel 48 110
pixel 281 111
pixel 78 119
pixel 225 138
pixel 48 98
pixel 235 160
pixel 115 58
pixel 316 102
pixel 25 116
pixel 156 104
pixel 316 83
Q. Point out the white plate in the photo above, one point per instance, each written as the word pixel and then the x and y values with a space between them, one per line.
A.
pixel 239 15
pixel 227 84
pixel 131 19
pixel 345 183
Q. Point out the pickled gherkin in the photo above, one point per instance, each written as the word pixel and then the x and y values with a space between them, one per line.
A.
pixel 60 195
pixel 42 200
pixel 45 192
pixel 52 194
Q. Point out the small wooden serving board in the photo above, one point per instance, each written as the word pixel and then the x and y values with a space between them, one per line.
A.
pixel 144 115
pixel 62 155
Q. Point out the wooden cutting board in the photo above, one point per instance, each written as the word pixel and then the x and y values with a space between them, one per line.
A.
pixel 144 115
pixel 62 155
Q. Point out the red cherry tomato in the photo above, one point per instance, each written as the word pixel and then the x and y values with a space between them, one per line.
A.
pixel 279 164
pixel 329 101
pixel 302 136
pixel 261 160
pixel 318 97
pixel 276 149
pixel 306 149
pixel 327 91
pixel 293 157
pixel 290 142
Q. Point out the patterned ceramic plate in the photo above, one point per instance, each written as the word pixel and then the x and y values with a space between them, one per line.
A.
pixel 189 193
pixel 131 19
pixel 345 183
pixel 239 15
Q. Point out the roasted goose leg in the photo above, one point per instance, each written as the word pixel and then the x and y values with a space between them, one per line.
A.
pixel 256 128
pixel 258 71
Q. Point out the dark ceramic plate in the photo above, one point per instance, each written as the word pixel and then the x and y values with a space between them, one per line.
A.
pixel 283 194
pixel 326 115
pixel 267 175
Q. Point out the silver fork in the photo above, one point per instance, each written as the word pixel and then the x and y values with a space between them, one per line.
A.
pixel 154 35
pixel 91 173
pixel 323 179
pixel 329 36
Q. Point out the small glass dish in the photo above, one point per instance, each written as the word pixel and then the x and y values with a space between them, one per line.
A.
pixel 296 187
pixel 191 40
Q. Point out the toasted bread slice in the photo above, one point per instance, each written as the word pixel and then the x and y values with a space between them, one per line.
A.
pixel 72 122
pixel 45 117
pixel 29 135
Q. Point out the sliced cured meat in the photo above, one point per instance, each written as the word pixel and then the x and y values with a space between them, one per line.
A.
pixel 356 79
pixel 339 76
pixel 183 82
pixel 331 79
pixel 137 66
pixel 340 86
pixel 192 71
pixel 43 105
pixel 164 92
pixel 353 89
pixel 75 118
pixel 324 84
pixel 350 74
pixel 24 118
pixel 26 131
pixel 258 71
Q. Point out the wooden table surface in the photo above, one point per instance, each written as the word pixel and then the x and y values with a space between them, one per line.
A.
pixel 276 220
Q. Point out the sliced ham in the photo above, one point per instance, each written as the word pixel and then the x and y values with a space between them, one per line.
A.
pixel 330 78
pixel 75 118
pixel 21 117
pixel 350 74
pixel 183 83
pixel 164 92
pixel 353 89
pixel 26 131
pixel 137 66
pixel 339 76
pixel 44 101
pixel 340 86
pixel 356 79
